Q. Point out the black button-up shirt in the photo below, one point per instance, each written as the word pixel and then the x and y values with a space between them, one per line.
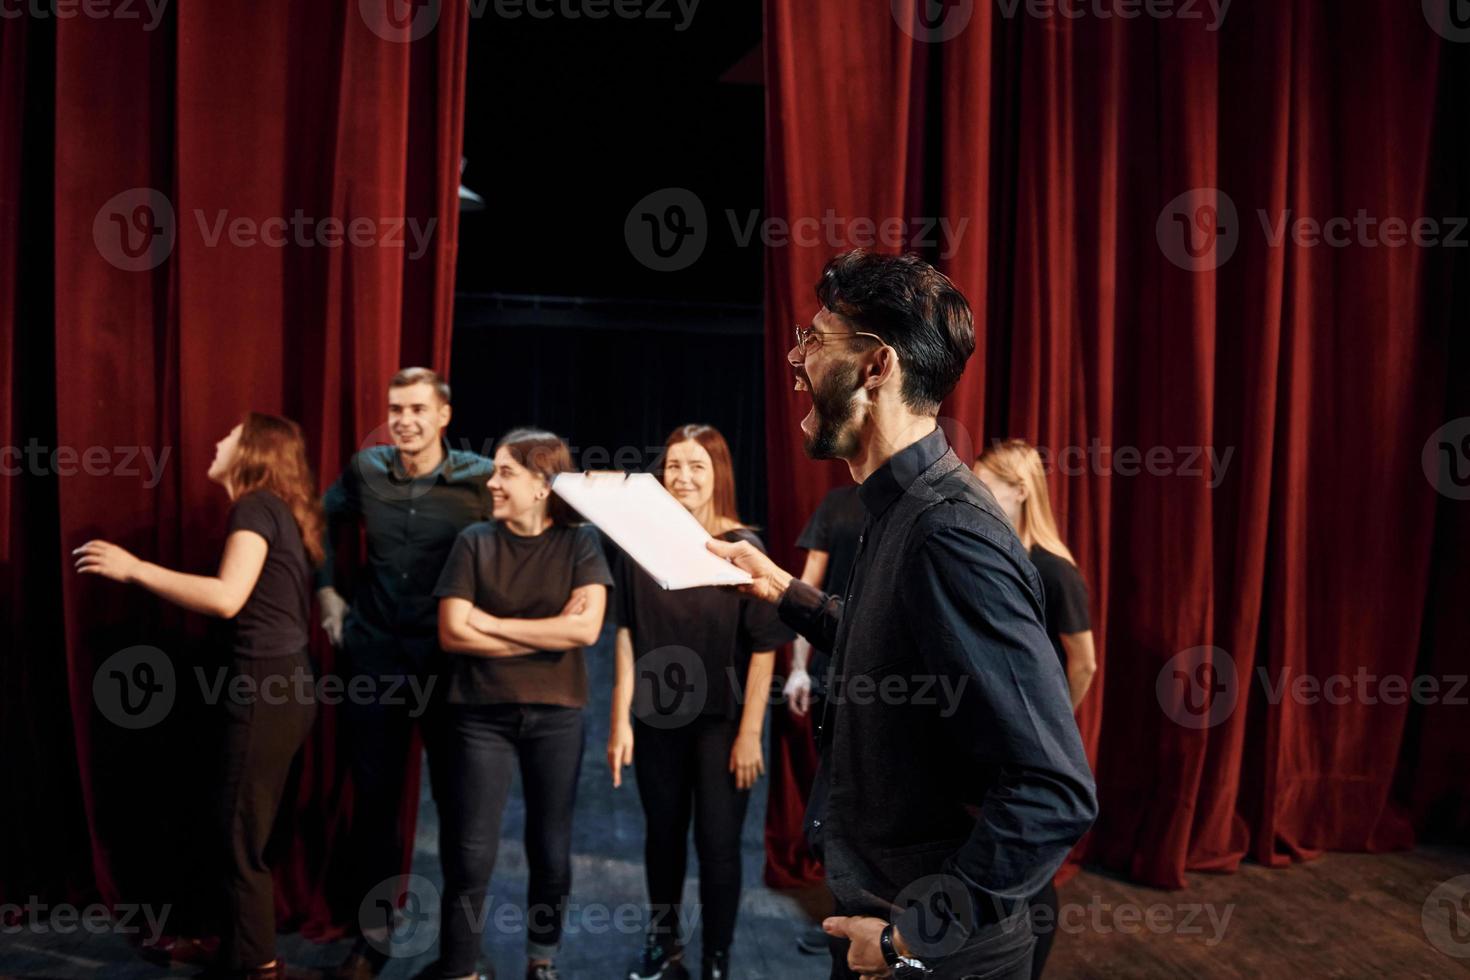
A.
pixel 994 775
pixel 411 524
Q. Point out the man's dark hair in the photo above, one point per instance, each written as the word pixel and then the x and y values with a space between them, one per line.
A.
pixel 914 308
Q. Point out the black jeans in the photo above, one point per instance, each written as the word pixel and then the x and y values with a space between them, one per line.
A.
pixel 392 685
pixel 1044 925
pixel 486 744
pixel 1000 951
pixel 263 733
pixel 683 772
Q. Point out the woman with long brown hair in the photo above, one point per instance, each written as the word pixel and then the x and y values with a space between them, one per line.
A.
pixel 699 742
pixel 1014 473
pixel 262 585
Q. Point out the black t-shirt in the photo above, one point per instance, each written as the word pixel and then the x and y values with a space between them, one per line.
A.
pixel 702 636
pixel 834 528
pixel 274 620
pixel 1066 597
pixel 517 577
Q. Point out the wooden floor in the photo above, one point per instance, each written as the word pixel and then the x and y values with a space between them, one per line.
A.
pixel 1344 915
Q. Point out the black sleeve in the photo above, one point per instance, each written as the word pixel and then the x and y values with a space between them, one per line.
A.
pixel 253 512
pixel 457 580
pixel 339 504
pixel 817 535
pixel 973 617
pixel 760 625
pixel 589 563
pixel 811 612
pixel 1066 598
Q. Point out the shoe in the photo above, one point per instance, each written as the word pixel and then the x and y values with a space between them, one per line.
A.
pixel 814 942
pixel 659 962
pixel 365 962
pixel 715 966
pixel 542 971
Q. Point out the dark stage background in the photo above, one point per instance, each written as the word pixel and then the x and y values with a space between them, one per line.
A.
pixel 1325 370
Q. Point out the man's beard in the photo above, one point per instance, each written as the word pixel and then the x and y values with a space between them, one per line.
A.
pixel 835 436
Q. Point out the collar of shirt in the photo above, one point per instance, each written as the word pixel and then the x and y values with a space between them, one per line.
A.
pixel 891 480
pixel 444 470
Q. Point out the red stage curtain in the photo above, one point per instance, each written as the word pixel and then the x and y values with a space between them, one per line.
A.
pixel 1321 370
pixel 252 126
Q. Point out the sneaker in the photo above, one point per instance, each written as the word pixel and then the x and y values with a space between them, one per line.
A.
pixel 542 971
pixel 715 966
pixel 659 962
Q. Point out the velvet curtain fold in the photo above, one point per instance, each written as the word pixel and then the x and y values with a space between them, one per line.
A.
pixel 255 206
pixel 1285 388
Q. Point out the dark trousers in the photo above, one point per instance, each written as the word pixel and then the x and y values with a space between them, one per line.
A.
pixel 379 716
pixel 682 772
pixel 1044 925
pixel 263 733
pixel 1000 951
pixel 486 745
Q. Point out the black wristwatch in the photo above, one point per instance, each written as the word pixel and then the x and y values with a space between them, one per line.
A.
pixel 903 967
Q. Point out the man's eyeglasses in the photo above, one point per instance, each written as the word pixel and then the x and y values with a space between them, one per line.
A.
pixel 809 338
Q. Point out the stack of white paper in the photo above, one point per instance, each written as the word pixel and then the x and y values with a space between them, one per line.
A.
pixel 650 525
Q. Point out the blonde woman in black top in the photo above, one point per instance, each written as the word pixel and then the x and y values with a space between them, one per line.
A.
pixel 1013 472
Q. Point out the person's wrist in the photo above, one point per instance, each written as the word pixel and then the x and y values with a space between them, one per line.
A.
pixel 899 946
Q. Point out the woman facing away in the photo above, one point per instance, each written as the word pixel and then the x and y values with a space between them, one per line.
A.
pixel 519 598
pixel 274 533
pixel 701 661
pixel 1014 473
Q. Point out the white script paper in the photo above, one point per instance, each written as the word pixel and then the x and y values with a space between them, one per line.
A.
pixel 650 525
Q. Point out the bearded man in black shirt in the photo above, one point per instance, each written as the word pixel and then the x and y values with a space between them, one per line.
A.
pixel 953 781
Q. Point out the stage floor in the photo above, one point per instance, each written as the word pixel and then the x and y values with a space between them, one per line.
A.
pixel 1344 915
